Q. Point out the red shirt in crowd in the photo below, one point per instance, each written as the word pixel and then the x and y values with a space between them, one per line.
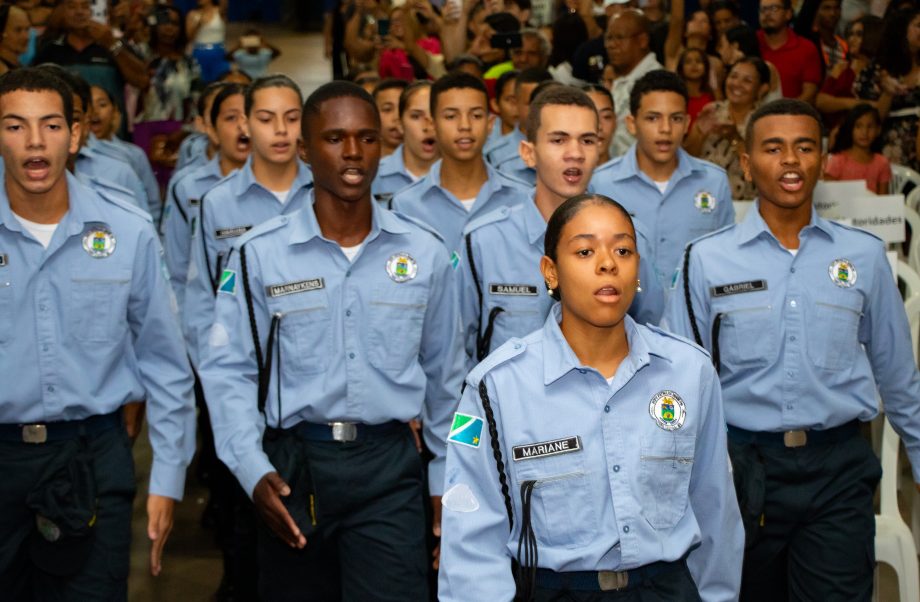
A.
pixel 696 104
pixel 841 166
pixel 797 61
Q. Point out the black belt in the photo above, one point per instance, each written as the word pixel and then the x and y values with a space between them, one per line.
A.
pixel 46 432
pixel 344 432
pixel 799 438
pixel 601 581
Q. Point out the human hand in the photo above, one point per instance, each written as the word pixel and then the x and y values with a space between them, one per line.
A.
pixel 436 529
pixel 159 525
pixel 267 499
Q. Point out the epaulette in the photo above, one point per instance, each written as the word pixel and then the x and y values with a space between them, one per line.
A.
pixel 703 163
pixel 509 350
pixel 514 180
pixel 275 223
pixel 417 222
pixel 857 229
pixel 677 337
pixel 703 237
pixel 117 195
pixel 495 215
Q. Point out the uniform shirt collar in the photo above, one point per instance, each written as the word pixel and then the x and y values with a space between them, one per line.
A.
pixel 306 227
pixel 494 181
pixel 83 208
pixel 753 225
pixel 559 359
pixel 533 221
pixel 247 179
pixel 393 163
pixel 628 167
pixel 211 168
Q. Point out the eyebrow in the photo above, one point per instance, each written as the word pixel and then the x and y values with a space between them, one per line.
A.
pixel 618 236
pixel 42 118
pixel 799 140
pixel 343 132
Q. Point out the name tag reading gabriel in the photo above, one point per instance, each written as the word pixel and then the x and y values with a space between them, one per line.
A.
pixel 546 448
pixel 751 286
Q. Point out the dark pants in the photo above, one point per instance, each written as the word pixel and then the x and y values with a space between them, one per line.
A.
pixel 369 539
pixel 670 586
pixel 817 540
pixel 104 576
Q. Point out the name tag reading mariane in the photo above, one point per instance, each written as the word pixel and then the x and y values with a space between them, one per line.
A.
pixel 290 288
pixel 530 451
pixel 513 289
pixel 751 286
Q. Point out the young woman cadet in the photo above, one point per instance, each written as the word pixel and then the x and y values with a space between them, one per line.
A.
pixel 591 454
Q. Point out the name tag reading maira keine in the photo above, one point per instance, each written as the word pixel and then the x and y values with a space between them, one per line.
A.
pixel 530 451
pixel 291 288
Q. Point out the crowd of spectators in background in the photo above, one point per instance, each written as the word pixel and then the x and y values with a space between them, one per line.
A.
pixel 857 61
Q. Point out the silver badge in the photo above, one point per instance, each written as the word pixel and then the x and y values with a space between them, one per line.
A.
pixel 668 411
pixel 99 242
pixel 704 201
pixel 401 267
pixel 842 273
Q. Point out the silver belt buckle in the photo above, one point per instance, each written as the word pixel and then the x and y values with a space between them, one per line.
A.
pixel 611 581
pixel 34 433
pixel 344 431
pixel 795 438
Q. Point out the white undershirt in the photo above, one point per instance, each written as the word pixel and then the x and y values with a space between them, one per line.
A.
pixel 793 251
pixel 42 232
pixel 351 252
pixel 662 186
pixel 610 380
pixel 281 196
pixel 468 204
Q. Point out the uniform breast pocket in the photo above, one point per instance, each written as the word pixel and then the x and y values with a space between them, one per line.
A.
pixel 6 310
pixel 562 510
pixel 519 317
pixel 747 335
pixel 305 335
pixel 665 464
pixel 395 333
pixel 833 330
pixel 99 308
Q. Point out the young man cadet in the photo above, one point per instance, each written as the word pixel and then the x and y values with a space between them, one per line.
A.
pixel 386 95
pixel 92 329
pixel 353 318
pixel 507 148
pixel 803 321
pixel 273 181
pixel 676 196
pixel 502 293
pixel 461 186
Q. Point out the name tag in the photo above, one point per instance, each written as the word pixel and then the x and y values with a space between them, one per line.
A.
pixel 291 288
pixel 513 289
pixel 232 232
pixel 751 286
pixel 547 448
pixel 3 259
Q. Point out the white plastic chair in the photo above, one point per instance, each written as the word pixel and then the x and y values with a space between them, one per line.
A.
pixel 900 176
pixel 911 280
pixel 913 221
pixel 912 199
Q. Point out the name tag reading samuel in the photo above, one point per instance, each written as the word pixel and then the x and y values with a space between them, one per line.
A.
pixel 547 448
pixel 513 289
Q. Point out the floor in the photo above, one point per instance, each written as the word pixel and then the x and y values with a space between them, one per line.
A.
pixel 192 564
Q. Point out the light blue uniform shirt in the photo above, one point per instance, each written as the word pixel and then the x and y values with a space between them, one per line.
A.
pixel 134 156
pixel 181 219
pixel 355 343
pixel 81 336
pixel 803 340
pixel 517 169
pixel 433 205
pixel 507 147
pixel 193 150
pixel 696 201
pixel 108 190
pixel 103 167
pixel 230 209
pixel 637 488
pixel 495 136
pixel 392 176
pixel 507 245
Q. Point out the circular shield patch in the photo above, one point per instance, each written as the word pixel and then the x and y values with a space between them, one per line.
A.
pixel 401 267
pixel 668 411
pixel 99 242
pixel 704 201
pixel 842 273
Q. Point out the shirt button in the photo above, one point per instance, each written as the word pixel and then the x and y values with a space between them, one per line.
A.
pixel 348 274
pixel 351 356
pixel 43 307
pixel 616 468
pixel 792 338
pixel 792 303
pixel 348 312
pixel 789 406
pixel 44 348
pixel 51 388
pixel 792 270
pixel 581 371
pixel 626 529
pixel 607 409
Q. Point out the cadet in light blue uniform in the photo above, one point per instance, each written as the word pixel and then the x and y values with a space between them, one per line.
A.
pixel 353 317
pixel 592 451
pixel 678 197
pixel 136 158
pixel 93 328
pixel 459 107
pixel 227 116
pixel 504 107
pixel 525 84
pixel 241 201
pixel 193 150
pixel 413 158
pixel 502 293
pixel 804 321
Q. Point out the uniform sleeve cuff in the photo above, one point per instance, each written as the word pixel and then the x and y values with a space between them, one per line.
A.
pixel 436 476
pixel 252 470
pixel 167 480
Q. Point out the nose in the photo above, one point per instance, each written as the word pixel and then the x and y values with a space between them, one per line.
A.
pixel 35 138
pixel 350 148
pixel 281 125
pixel 606 261
pixel 574 151
pixel 465 123
pixel 790 157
